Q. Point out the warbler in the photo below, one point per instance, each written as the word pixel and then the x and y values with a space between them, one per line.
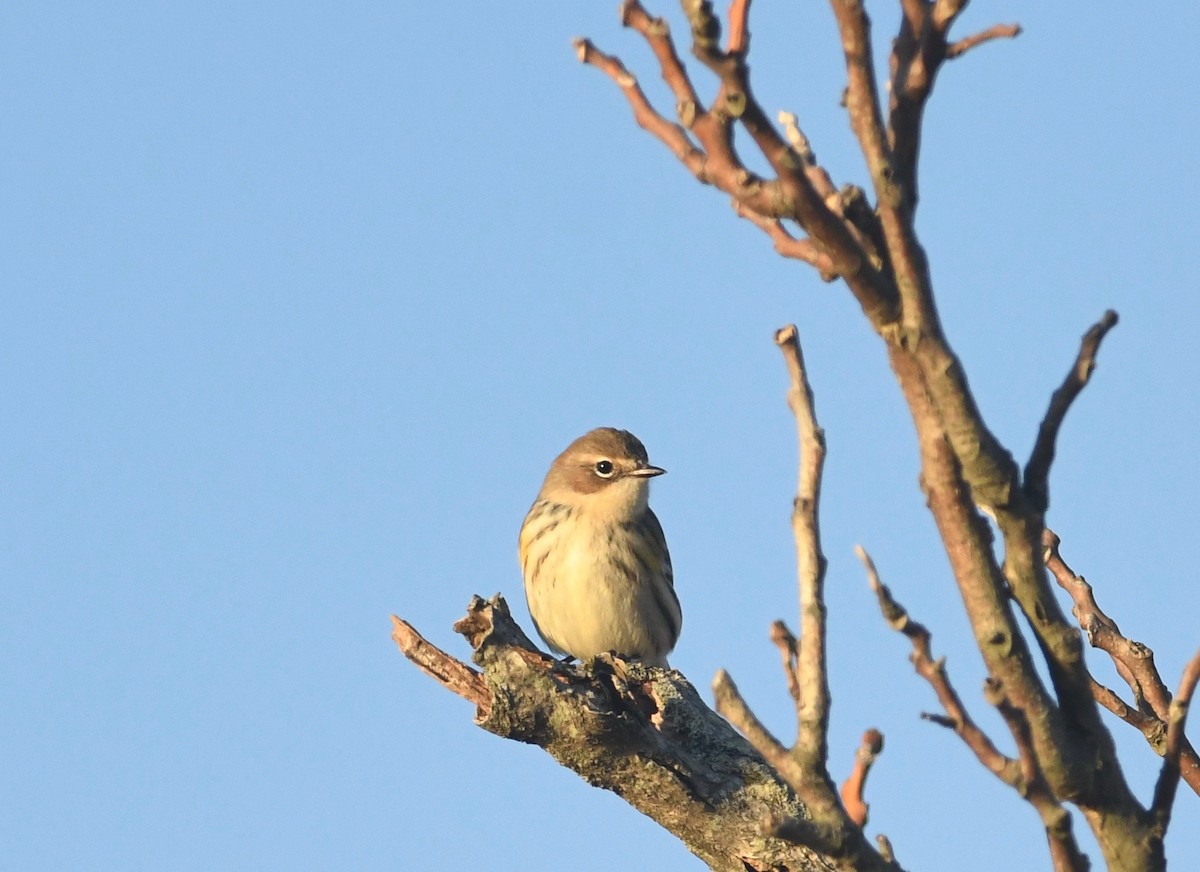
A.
pixel 597 572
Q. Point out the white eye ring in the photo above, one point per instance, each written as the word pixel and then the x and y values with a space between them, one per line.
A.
pixel 604 468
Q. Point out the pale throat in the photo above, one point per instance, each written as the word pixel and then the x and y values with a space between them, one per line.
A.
pixel 621 501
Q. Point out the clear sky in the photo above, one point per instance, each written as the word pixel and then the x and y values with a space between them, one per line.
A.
pixel 303 298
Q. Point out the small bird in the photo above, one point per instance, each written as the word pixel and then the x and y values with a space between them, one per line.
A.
pixel 597 572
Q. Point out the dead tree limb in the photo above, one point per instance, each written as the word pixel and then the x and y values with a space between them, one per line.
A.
pixel 641 732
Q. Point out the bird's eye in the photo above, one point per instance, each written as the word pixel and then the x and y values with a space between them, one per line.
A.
pixel 604 468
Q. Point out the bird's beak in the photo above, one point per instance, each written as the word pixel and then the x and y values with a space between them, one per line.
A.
pixel 646 471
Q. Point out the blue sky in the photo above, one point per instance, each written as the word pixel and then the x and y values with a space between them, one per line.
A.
pixel 303 299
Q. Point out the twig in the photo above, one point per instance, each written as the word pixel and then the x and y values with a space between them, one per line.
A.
pixel 449 671
pixel 731 705
pixel 885 848
pixel 1150 726
pixel 996 31
pixel 916 55
pixel 786 643
pixel 801 191
pixel 812 712
pixel 739 31
pixel 891 162
pixel 1024 775
pixel 1134 662
pixel 828 826
pixel 658 36
pixel 673 136
pixel 791 195
pixel 804 766
pixel 934 672
pixel 802 185
pixel 1037 470
pixel 786 244
pixel 1168 776
pixel 862 99
pixel 854 787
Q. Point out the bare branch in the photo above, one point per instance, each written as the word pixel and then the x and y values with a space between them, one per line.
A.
pixel 862 98
pixel 813 711
pixel 854 787
pixel 1133 661
pixel 801 185
pixel 1064 852
pixel 638 731
pixel 673 136
pixel 934 672
pixel 944 14
pixel 1025 775
pixel 996 31
pixel 944 408
pixel 827 825
pixel 1067 729
pixel 791 195
pixel 450 672
pixel 913 64
pixel 739 31
pixel 658 36
pixel 731 705
pixel 786 244
pixel 1148 724
pixel 940 720
pixel 1168 777
pixel 786 643
pixel 885 848
pixel 1037 471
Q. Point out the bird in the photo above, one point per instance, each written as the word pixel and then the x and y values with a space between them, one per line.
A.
pixel 593 555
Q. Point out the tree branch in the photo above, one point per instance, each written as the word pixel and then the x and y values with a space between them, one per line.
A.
pixel 1168 777
pixel 786 643
pixel 1037 470
pixel 1064 852
pixel 732 706
pixel 934 672
pixel 739 30
pixel 862 99
pixel 1024 775
pixel 638 731
pixel 448 671
pixel 735 102
pixel 996 31
pixel 833 827
pixel 673 136
pixel 786 244
pixel 853 790
pixel 1133 661
pixel 812 713
pixel 801 190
